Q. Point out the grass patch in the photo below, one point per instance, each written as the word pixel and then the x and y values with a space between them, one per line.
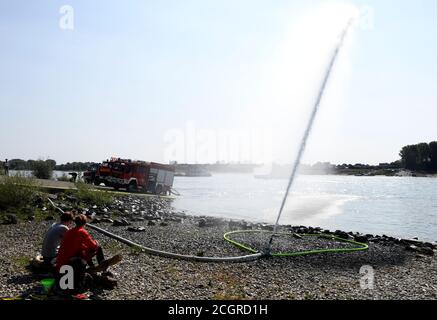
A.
pixel 40 215
pixel 232 287
pixel 223 296
pixel 309 296
pixel 16 192
pixel 113 247
pixel 171 270
pixel 20 262
pixel 135 251
pixel 87 194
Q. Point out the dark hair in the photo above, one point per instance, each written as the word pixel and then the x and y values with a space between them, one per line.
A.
pixel 80 220
pixel 66 217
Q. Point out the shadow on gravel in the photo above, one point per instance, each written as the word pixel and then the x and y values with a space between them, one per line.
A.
pixel 377 255
pixel 21 279
pixel 37 293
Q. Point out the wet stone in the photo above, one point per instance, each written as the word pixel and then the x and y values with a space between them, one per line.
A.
pixel 136 229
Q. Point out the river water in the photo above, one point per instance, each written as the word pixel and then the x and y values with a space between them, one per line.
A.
pixel 394 206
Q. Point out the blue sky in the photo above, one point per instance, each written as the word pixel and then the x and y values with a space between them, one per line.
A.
pixel 133 77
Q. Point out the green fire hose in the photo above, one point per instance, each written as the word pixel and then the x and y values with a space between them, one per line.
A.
pixel 359 246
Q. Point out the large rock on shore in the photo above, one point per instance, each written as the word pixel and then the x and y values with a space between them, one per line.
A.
pixel 121 223
pixel 267 227
pixel 361 238
pixel 422 250
pixel 210 222
pixel 136 229
pixel 344 235
pixel 202 223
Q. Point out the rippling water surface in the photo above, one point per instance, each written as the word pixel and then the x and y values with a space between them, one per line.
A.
pixel 401 206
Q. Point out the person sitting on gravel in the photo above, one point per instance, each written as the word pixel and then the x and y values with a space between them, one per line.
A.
pixel 77 250
pixel 53 239
pixel 77 243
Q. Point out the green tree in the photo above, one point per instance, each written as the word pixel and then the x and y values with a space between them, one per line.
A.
pixel 42 169
pixel 424 159
pixel 433 155
pixel 51 163
pixel 410 157
pixel 17 164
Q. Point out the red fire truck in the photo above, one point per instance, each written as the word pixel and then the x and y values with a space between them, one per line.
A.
pixel 136 176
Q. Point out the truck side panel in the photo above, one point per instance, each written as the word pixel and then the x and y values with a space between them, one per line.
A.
pixel 169 178
pixel 161 176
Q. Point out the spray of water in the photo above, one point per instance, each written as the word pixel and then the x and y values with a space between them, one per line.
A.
pixel 309 127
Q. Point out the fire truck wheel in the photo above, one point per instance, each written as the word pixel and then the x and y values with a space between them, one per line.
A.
pixel 158 189
pixel 132 187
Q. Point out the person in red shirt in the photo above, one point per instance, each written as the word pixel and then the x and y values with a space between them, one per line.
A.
pixel 77 243
pixel 77 250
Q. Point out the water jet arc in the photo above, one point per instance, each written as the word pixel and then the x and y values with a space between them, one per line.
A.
pixel 309 127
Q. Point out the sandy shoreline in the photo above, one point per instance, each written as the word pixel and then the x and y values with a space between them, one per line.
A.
pixel 399 273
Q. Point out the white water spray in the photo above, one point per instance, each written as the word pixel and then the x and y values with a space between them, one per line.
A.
pixel 309 127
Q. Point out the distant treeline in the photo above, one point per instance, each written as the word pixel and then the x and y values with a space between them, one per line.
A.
pixel 75 166
pixel 420 157
pixel 19 164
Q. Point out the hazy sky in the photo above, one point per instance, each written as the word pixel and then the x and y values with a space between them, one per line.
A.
pixel 214 80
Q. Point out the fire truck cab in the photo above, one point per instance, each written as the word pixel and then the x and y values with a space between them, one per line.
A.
pixel 136 176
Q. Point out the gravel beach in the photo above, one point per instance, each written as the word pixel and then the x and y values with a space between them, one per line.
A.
pixel 401 270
